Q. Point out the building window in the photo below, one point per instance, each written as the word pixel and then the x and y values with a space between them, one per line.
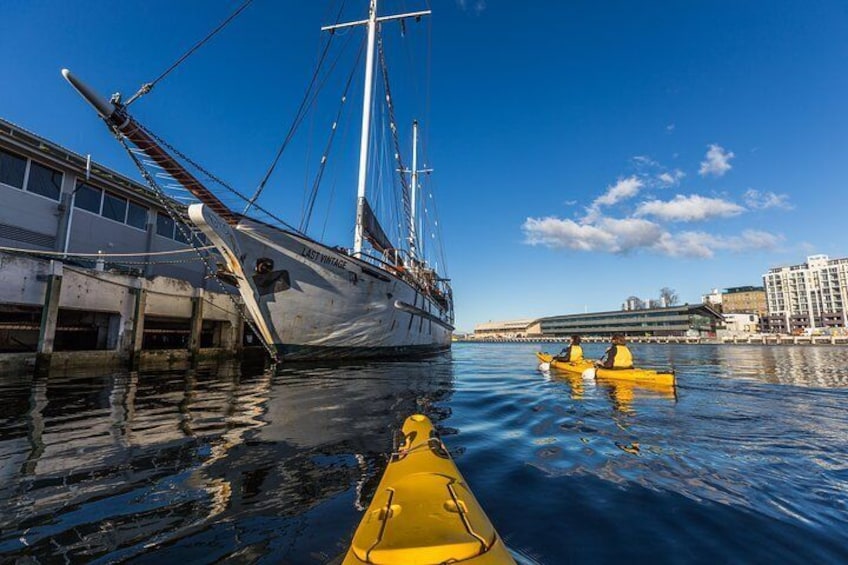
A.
pixel 88 198
pixel 12 169
pixel 44 181
pixel 114 208
pixel 178 235
pixel 137 216
pixel 164 225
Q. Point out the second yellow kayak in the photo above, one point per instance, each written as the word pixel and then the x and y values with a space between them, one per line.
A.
pixel 650 376
pixel 423 512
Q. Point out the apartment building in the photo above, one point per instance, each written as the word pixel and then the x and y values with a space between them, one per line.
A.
pixel 807 296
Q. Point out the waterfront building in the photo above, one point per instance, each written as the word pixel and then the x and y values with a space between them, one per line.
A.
pixel 685 320
pixel 55 200
pixel 506 329
pixel 744 300
pixel 735 323
pixel 807 296
pixel 713 299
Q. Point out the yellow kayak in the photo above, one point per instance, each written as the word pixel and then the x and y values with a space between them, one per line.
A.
pixel 646 376
pixel 423 512
pixel 665 378
pixel 567 366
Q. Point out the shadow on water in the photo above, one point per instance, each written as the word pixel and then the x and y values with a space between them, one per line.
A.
pixel 203 465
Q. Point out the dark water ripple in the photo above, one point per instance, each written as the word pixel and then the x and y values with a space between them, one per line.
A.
pixel 746 460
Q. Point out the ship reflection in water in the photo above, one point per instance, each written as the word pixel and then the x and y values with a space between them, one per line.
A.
pixel 744 461
pixel 115 467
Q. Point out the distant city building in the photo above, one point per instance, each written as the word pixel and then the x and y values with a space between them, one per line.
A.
pixel 506 329
pixel 810 295
pixel 736 323
pixel 686 320
pixel 633 303
pixel 713 298
pixel 744 300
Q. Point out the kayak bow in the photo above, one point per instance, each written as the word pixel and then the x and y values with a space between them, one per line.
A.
pixel 423 512
pixel 567 366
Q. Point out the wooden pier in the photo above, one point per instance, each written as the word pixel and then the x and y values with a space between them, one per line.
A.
pixel 55 316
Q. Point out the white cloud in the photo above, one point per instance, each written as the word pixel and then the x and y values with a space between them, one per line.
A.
pixel 671 178
pixel 717 161
pixel 619 236
pixel 761 200
pixel 645 160
pixel 669 128
pixel 690 208
pixel 622 190
pixel 608 235
pixel 476 6
pixel 704 245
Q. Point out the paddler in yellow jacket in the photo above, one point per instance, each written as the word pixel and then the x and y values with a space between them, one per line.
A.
pixel 618 356
pixel 573 353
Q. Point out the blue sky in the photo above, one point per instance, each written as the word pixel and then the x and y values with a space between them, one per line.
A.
pixel 583 151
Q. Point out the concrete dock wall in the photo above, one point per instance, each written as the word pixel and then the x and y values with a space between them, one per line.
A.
pixel 126 320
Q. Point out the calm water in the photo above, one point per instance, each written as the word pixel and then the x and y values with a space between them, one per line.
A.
pixel 746 461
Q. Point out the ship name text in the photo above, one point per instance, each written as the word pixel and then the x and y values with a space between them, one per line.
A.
pixel 323 258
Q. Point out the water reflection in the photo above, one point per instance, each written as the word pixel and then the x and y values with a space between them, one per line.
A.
pixel 112 467
pixel 816 366
pixel 623 394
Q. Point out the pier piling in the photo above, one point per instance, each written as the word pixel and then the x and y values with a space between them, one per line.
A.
pixel 49 315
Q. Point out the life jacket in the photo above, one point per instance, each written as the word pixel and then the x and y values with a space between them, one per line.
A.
pixel 575 353
pixel 623 358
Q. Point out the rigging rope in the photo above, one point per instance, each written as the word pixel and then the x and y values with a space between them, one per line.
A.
pixel 147 87
pixel 214 178
pixel 304 224
pixel 308 99
pixel 191 237
pixel 103 255
pixel 393 126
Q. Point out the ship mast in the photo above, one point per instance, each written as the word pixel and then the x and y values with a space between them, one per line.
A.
pixel 371 22
pixel 414 172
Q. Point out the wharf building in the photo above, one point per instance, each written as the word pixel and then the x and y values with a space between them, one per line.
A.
pixel 699 320
pixel 809 296
pixel 131 280
pixel 506 329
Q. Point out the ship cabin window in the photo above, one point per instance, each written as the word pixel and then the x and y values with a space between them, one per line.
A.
pixel 44 181
pixel 114 207
pixel 12 169
pixel 137 216
pixel 164 225
pixel 88 198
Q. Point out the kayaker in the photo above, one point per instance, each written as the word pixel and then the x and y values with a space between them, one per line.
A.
pixel 573 353
pixel 618 356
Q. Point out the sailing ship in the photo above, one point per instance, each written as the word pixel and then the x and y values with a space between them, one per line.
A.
pixel 308 300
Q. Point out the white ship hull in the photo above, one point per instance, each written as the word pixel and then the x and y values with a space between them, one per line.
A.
pixel 314 302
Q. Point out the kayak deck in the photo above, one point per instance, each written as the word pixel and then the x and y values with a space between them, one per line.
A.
pixel 423 512
pixel 567 366
pixel 665 378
